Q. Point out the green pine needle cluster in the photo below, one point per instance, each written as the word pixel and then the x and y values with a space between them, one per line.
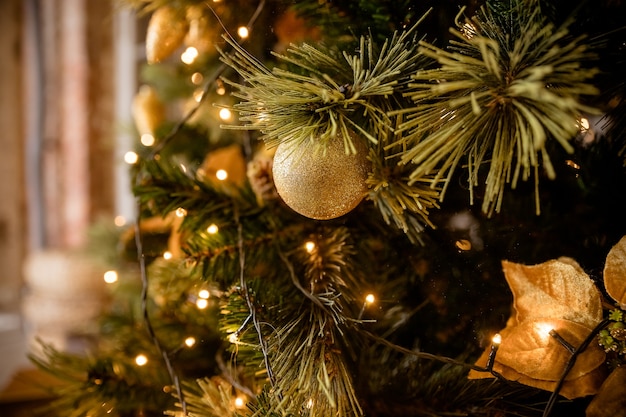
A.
pixel 496 96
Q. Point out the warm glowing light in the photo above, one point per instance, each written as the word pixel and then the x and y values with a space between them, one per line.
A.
pixel 147 139
pixel 543 330
pixel 369 298
pixel 221 174
pixel 197 95
pixel 309 404
pixel 131 157
pixel 309 246
pixel 243 32
pixel 583 124
pixel 225 114
pixel 204 294
pixel 197 78
pixel 110 277
pixel 239 402
pixel 572 164
pixel 221 90
pixel 167 255
pixel 496 339
pixel 119 221
pixel 141 359
pixel 181 212
pixel 212 229
pixel 190 341
pixel 189 56
pixel 233 338
pixel 202 303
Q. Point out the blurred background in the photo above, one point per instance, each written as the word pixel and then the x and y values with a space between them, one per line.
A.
pixel 68 71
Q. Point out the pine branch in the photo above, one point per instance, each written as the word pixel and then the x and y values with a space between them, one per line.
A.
pixel 327 92
pixel 496 97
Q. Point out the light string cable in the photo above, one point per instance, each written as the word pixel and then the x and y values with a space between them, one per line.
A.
pixel 208 84
pixel 146 316
pixel 571 362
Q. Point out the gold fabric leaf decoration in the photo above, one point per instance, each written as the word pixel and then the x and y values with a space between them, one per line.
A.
pixel 555 295
pixel 615 273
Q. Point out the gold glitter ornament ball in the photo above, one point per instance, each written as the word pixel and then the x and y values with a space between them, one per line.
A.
pixel 321 185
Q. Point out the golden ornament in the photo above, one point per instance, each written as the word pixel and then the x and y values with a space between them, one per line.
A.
pixel 166 30
pixel 321 182
pixel 559 296
pixel 148 110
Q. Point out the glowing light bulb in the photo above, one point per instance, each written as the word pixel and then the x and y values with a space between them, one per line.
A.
pixel 221 90
pixel 119 221
pixel 190 341
pixel 147 139
pixel 583 124
pixel 131 157
pixel 197 78
pixel 204 294
pixel 110 277
pixel 141 359
pixel 369 298
pixel 543 330
pixel 309 404
pixel 167 255
pixel 189 56
pixel 309 246
pixel 239 402
pixel 212 229
pixel 225 114
pixel 181 212
pixel 221 174
pixel 233 338
pixel 243 32
pixel 496 339
pixel 202 303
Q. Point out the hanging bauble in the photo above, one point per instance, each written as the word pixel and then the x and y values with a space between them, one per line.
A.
pixel 148 110
pixel 166 30
pixel 321 182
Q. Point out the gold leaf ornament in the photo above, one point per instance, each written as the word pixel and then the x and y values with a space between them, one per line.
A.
pixel 559 296
pixel 615 273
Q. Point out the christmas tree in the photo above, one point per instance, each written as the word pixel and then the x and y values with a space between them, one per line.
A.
pixel 371 208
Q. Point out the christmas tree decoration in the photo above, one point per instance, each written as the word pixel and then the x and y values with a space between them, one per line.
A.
pixel 610 400
pixel 203 31
pixel 166 31
pixel 504 88
pixel 148 110
pixel 321 182
pixel 552 301
pixel 615 273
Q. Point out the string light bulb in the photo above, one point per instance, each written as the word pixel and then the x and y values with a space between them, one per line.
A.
pixel 370 298
pixel 181 212
pixel 190 341
pixel 212 229
pixel 233 338
pixel 496 339
pixel 167 255
pixel 141 359
pixel 189 56
pixel 119 221
pixel 225 114
pixel 243 32
pixel 131 157
pixel 221 174
pixel 202 303
pixel 197 78
pixel 204 294
pixel 110 277
pixel 147 140
pixel 240 402
pixel 309 246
